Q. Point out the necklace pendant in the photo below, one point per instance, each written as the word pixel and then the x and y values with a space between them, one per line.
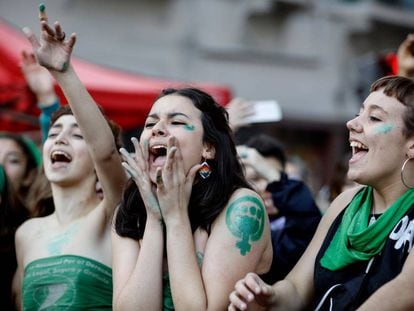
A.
pixel 372 220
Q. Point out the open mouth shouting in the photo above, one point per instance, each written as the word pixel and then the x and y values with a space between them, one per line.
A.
pixel 359 150
pixel 60 158
pixel 157 155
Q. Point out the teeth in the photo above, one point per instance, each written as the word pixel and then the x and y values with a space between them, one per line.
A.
pixel 158 146
pixel 58 153
pixel 358 145
pixel 158 150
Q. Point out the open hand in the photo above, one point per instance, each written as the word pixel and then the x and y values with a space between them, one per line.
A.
pixel 406 57
pixel 174 185
pixel 249 292
pixel 52 50
pixel 137 167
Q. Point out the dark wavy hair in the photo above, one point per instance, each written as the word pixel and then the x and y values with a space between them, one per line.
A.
pixel 209 196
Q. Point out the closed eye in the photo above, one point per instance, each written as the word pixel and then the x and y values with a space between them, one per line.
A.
pixel 149 125
pixel 374 119
pixel 178 123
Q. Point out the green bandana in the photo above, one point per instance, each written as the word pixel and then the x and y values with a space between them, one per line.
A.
pixel 355 240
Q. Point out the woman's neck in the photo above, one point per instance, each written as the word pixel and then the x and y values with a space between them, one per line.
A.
pixel 385 197
pixel 73 202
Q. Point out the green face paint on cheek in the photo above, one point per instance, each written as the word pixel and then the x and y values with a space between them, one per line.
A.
pixel 189 127
pixel 245 218
pixel 384 129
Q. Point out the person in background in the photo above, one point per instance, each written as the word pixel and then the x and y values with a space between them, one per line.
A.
pixel 293 214
pixel 20 159
pixel 360 256
pixel 188 225
pixel 12 214
pixel 57 266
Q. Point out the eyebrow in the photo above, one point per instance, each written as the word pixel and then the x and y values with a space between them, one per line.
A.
pixel 373 107
pixel 59 125
pixel 169 115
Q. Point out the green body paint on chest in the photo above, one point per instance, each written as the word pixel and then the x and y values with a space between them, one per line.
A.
pixel 384 129
pixel 189 127
pixel 245 218
pixel 56 244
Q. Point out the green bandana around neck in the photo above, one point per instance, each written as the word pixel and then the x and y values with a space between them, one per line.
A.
pixel 356 241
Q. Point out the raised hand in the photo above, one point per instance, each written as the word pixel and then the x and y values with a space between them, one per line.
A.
pixel 173 184
pixel 239 110
pixel 265 168
pixel 251 292
pixel 137 168
pixel 52 50
pixel 38 79
pixel 405 56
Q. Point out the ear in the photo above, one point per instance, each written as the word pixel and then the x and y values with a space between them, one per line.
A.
pixel 410 147
pixel 209 151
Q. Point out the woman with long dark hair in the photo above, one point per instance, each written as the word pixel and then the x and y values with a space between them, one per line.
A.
pixel 188 225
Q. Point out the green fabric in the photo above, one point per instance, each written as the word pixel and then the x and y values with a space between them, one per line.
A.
pixel 2 181
pixel 67 282
pixel 167 301
pixel 33 149
pixel 356 241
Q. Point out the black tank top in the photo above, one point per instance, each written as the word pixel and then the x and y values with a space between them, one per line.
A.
pixel 348 288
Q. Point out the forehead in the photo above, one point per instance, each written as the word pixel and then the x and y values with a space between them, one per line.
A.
pixel 170 104
pixel 8 145
pixel 379 101
pixel 65 120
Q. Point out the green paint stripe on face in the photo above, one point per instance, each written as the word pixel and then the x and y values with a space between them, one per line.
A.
pixel 245 218
pixel 384 129
pixel 189 127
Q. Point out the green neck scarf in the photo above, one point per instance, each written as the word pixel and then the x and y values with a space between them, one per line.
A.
pixel 356 241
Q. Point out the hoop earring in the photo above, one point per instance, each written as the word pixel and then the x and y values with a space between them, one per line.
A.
pixel 204 170
pixel 402 174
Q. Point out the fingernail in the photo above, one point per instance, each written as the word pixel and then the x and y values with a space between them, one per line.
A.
pixel 42 7
pixel 26 30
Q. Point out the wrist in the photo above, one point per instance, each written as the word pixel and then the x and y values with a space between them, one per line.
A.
pixel 175 220
pixel 46 99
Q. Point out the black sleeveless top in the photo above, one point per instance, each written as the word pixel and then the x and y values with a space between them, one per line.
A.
pixel 348 288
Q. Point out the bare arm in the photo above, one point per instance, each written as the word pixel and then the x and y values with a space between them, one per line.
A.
pixel 137 266
pixel 20 238
pixel 137 269
pixel 236 245
pixel 53 51
pixel 397 294
pixel 296 291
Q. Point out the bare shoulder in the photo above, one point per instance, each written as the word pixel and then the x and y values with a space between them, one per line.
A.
pixel 31 227
pixel 341 201
pixel 244 193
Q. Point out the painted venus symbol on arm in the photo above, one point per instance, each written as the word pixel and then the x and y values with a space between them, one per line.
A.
pixel 245 218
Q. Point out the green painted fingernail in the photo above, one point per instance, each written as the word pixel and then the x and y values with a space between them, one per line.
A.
pixel 42 7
